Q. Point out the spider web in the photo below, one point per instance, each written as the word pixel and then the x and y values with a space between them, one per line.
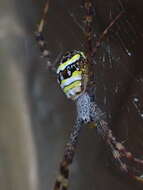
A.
pixel 118 74
pixel 117 77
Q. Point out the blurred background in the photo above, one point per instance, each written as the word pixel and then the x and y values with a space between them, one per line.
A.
pixel 36 117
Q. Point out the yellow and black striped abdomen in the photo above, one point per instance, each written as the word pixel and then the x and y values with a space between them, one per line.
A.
pixel 71 74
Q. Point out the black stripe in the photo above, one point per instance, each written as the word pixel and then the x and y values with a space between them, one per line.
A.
pixel 64 171
pixel 64 188
pixel 74 62
pixel 57 184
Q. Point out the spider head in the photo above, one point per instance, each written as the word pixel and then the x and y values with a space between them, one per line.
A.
pixel 72 74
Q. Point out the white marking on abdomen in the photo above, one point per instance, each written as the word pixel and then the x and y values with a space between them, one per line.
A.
pixel 70 80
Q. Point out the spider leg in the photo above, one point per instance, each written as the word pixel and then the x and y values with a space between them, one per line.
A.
pixel 62 180
pixel 105 32
pixel 120 153
pixel 126 160
pixel 88 31
pixel 40 37
pixel 127 35
pixel 127 31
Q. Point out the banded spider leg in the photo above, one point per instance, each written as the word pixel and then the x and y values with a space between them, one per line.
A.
pixel 120 153
pixel 40 38
pixel 127 32
pixel 105 32
pixel 62 180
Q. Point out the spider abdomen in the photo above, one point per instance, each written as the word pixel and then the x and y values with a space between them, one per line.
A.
pixel 71 74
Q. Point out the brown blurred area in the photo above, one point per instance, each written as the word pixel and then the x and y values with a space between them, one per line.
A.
pixel 36 117
pixel 18 157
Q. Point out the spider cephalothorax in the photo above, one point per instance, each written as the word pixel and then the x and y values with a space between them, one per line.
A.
pixel 73 74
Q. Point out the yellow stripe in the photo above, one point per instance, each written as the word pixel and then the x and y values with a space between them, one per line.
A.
pixel 72 60
pixel 139 178
pixel 70 86
pixel 65 182
pixel 83 55
pixel 76 73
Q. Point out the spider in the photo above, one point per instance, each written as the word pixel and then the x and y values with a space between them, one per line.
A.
pixel 74 75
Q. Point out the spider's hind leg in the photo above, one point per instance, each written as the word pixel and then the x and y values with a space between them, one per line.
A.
pixel 128 163
pixel 62 180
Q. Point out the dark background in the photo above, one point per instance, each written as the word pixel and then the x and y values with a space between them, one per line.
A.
pixel 118 76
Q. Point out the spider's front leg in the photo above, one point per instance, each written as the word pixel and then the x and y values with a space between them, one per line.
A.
pixel 40 38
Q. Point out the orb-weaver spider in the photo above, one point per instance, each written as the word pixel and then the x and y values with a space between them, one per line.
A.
pixel 75 78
